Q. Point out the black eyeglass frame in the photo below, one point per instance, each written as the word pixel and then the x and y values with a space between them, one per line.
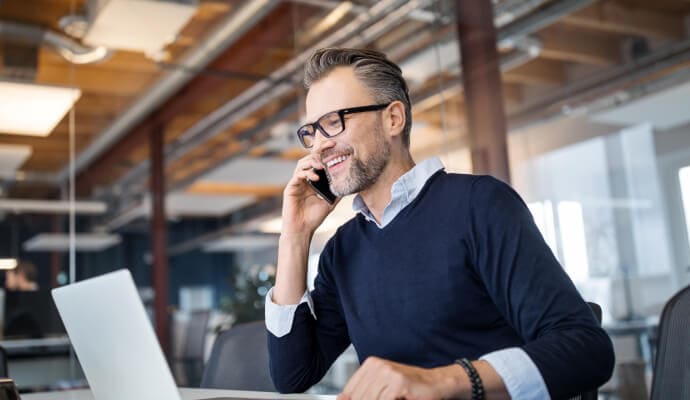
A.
pixel 315 126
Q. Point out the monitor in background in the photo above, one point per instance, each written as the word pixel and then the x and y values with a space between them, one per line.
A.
pixel 30 314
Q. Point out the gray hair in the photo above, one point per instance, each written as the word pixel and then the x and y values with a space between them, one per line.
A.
pixel 382 77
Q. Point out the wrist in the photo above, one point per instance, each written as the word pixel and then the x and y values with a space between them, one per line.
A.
pixel 454 382
pixel 295 238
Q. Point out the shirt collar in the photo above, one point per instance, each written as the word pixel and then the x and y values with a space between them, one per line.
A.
pixel 403 191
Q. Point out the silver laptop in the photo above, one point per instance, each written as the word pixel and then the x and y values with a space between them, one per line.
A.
pixel 114 340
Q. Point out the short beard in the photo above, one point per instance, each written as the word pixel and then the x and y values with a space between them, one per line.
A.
pixel 363 174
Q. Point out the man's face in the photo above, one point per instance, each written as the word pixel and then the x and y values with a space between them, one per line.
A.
pixel 354 159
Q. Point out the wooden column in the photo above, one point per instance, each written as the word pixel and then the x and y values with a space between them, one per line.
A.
pixel 159 234
pixel 481 77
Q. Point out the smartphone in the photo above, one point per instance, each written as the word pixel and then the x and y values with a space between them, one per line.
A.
pixel 321 187
pixel 7 390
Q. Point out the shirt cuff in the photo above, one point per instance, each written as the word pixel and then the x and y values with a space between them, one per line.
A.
pixel 279 317
pixel 519 373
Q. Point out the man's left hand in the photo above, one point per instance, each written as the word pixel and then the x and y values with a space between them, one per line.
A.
pixel 382 379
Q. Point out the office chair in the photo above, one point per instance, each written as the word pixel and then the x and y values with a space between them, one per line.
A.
pixel 671 379
pixel 4 373
pixel 592 394
pixel 192 357
pixel 239 360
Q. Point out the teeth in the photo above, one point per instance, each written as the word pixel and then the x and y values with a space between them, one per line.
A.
pixel 335 161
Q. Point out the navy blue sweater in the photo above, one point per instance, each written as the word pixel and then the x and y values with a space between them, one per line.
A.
pixel 460 272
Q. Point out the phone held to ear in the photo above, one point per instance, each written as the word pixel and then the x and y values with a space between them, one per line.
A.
pixel 7 390
pixel 321 187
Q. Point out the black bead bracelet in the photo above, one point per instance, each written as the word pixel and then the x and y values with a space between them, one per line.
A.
pixel 475 380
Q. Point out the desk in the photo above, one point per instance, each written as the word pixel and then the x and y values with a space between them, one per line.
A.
pixel 40 363
pixel 187 394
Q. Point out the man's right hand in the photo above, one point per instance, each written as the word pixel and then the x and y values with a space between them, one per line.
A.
pixel 303 210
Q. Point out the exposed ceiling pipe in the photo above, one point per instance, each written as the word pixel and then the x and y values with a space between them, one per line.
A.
pixel 551 13
pixel 68 48
pixel 228 32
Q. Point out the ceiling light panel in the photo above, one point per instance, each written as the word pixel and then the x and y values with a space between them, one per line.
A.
pixel 31 109
pixel 84 242
pixel 137 25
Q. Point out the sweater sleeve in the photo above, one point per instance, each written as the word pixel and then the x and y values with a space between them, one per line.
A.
pixel 534 294
pixel 299 359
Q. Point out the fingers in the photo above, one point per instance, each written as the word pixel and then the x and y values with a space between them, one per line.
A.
pixel 367 382
pixel 305 168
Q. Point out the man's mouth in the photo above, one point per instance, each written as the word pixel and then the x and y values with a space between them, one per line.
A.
pixel 336 161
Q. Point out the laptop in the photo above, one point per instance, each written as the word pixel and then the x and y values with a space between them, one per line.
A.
pixel 114 340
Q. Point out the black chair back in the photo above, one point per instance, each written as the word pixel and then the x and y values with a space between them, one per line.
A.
pixel 592 394
pixel 671 378
pixel 239 360
pixel 4 373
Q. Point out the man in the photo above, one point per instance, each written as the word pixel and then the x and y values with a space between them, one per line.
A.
pixel 435 269
pixel 22 277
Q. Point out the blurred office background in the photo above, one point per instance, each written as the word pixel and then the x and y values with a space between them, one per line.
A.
pixel 157 136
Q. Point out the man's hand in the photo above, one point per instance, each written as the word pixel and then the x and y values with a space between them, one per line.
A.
pixel 303 210
pixel 382 379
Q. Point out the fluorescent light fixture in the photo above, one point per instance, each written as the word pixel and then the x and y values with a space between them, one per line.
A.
pixel 84 242
pixel 52 206
pixel 8 263
pixel 144 25
pixel 240 243
pixel 34 110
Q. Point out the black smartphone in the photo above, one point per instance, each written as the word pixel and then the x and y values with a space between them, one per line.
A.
pixel 321 187
pixel 7 390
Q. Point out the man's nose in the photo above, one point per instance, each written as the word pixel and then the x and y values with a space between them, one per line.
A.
pixel 322 143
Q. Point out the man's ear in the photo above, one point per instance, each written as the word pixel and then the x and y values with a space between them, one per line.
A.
pixel 396 118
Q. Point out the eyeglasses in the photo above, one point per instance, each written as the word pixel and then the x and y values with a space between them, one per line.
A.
pixel 331 124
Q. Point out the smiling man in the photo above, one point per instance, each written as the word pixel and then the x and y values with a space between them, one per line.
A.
pixel 441 281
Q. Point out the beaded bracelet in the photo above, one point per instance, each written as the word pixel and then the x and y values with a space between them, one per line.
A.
pixel 475 380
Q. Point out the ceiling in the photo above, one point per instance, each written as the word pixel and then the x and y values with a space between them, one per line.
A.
pixel 226 91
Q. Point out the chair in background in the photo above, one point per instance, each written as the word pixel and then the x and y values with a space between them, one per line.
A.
pixel 192 357
pixel 239 360
pixel 4 373
pixel 671 379
pixel 592 394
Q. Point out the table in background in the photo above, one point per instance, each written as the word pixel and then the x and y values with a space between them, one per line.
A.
pixel 187 394
pixel 40 363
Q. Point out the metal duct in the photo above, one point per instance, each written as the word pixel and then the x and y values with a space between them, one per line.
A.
pixel 67 47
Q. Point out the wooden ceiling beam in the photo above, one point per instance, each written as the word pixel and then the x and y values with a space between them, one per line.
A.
pixel 580 47
pixel 610 16
pixel 224 189
pixel 537 72
pixel 96 80
pixel 120 60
